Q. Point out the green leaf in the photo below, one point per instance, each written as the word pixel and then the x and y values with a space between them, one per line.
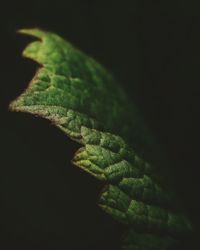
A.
pixel 81 98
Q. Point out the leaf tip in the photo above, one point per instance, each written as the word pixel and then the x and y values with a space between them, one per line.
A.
pixel 14 105
pixel 36 32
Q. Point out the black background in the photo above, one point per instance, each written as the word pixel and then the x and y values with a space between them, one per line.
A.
pixel 153 48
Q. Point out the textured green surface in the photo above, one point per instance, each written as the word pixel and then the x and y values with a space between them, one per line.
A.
pixel 82 99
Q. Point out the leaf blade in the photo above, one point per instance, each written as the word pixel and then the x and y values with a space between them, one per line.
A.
pixel 83 100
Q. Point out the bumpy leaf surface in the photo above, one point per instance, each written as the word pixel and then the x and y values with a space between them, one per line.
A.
pixel 82 99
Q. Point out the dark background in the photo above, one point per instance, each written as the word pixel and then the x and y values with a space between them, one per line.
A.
pixel 153 48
